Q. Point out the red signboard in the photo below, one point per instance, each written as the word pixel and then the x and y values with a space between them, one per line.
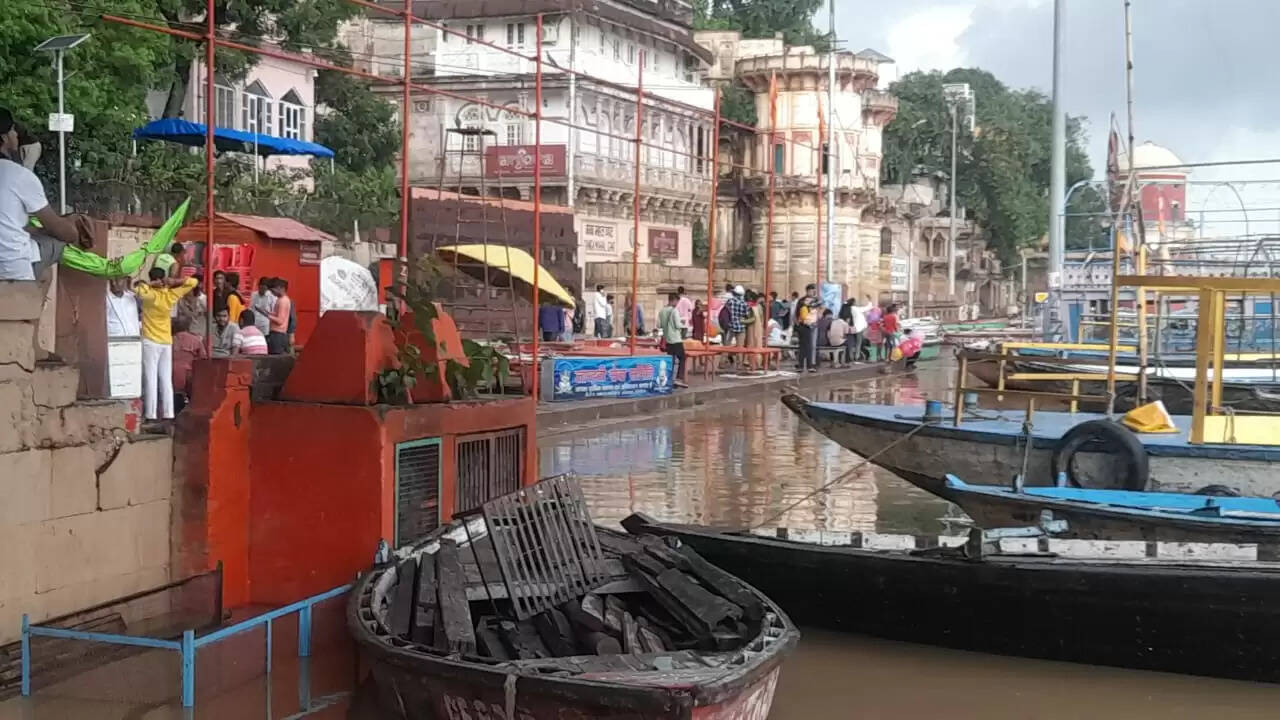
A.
pixel 664 243
pixel 516 161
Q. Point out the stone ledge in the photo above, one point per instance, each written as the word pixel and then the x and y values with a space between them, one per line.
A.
pixel 141 472
pixel 20 300
pixel 55 385
pixel 18 344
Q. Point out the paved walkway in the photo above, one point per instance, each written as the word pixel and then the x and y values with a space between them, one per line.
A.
pixel 560 417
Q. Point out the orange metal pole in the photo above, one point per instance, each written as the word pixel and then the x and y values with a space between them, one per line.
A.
pixel 635 210
pixel 406 110
pixel 711 221
pixel 818 276
pixel 768 233
pixel 537 200
pixel 210 117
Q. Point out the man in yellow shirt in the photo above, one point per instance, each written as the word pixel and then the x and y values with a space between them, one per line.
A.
pixel 158 298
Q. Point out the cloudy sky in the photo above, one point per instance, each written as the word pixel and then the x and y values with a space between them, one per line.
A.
pixel 1205 76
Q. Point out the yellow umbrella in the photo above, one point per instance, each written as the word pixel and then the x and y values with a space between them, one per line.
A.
pixel 504 263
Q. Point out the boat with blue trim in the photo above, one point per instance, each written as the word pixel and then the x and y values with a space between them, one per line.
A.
pixel 1121 514
pixel 992 446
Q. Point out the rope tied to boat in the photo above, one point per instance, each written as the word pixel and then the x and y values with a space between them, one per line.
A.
pixel 846 476
pixel 509 691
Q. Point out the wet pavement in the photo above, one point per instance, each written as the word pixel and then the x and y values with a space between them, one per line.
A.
pixel 742 464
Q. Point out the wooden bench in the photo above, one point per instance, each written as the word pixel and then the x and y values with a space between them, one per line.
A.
pixel 762 355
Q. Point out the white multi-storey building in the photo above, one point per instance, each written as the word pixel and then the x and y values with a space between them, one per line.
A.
pixel 589 123
pixel 791 150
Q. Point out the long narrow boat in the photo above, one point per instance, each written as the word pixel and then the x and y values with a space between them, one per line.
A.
pixel 990 447
pixel 529 613
pixel 1170 615
pixel 1121 514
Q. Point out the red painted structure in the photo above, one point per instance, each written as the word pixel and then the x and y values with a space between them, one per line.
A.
pixel 293 495
pixel 255 247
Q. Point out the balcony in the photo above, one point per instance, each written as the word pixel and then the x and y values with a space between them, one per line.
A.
pixel 879 106
pixel 619 173
pixel 863 73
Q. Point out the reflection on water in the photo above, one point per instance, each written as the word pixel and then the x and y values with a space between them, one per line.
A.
pixel 744 464
pixel 735 465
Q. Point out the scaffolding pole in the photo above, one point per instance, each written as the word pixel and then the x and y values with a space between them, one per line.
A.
pixel 711 221
pixel 537 205
pixel 635 209
pixel 210 114
pixel 768 233
pixel 406 102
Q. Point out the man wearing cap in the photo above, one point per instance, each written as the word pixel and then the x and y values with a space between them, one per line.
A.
pixel 21 198
pixel 738 311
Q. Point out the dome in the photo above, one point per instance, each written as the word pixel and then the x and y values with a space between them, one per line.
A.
pixel 1151 155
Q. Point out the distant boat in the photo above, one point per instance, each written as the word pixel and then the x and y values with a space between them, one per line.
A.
pixel 1120 514
pixel 988 447
pixel 1245 386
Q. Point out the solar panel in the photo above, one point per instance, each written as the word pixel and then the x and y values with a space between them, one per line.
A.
pixel 62 42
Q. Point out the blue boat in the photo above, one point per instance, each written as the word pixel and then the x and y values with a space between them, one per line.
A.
pixel 992 446
pixel 1121 514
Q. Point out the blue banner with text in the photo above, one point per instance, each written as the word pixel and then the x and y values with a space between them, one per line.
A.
pixel 579 378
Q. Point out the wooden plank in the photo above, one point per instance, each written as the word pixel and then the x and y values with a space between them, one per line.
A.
pixel 726 585
pixel 631 635
pixel 425 616
pixel 709 608
pixel 1066 376
pixel 1038 394
pixel 402 598
pixel 455 611
pixel 489 640
pixel 556 632
pixel 1100 347
pixel 1037 359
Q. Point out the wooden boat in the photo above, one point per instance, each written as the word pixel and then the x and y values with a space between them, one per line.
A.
pixel 1120 514
pixel 1244 388
pixel 1172 615
pixel 990 447
pixel 526 611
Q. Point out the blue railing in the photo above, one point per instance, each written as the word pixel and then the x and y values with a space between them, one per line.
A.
pixel 189 643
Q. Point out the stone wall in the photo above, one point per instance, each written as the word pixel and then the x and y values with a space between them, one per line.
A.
pixel 84 506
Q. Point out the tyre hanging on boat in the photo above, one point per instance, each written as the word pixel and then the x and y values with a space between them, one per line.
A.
pixel 1095 436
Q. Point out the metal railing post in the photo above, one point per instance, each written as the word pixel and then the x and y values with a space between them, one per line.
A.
pixel 304 631
pixel 188 668
pixel 26 655
pixel 269 646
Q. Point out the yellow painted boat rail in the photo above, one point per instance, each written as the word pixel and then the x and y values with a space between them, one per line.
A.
pixel 1211 422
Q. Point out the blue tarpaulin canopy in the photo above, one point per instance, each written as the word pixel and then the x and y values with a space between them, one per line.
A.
pixel 189 133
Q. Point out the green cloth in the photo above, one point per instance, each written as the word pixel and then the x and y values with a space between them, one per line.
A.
pixel 94 264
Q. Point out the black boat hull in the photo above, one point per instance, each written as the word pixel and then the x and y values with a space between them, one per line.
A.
pixel 1214 621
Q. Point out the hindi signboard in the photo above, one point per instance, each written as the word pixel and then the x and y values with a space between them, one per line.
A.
pixel 516 161
pixel 582 378
pixel 898 274
pixel 600 240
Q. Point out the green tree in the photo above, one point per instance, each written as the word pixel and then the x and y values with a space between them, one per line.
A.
pixel 106 83
pixel 1003 165
pixel 359 125
pixel 292 24
pixel 762 19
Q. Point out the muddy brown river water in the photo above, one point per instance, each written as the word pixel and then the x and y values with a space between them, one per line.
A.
pixel 745 464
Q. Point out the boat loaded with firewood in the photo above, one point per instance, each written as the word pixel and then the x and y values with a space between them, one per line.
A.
pixel 523 609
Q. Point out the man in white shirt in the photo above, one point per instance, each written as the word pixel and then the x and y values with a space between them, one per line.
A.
pixel 858 330
pixel 122 310
pixel 601 310
pixel 22 197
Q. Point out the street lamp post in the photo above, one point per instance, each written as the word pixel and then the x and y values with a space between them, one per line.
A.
pixel 61 123
pixel 959 96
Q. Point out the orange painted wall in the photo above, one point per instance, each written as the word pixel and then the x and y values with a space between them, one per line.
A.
pixel 320 493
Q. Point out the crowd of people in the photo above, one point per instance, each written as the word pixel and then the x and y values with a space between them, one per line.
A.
pixel 172 315
pixel 750 319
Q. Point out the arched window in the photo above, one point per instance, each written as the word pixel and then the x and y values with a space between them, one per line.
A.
pixel 886 241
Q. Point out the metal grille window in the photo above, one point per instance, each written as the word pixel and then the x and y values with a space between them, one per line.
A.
pixel 489 465
pixel 417 489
